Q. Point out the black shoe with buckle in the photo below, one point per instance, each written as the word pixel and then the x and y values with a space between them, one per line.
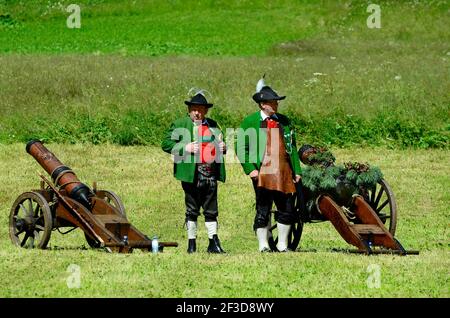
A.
pixel 192 246
pixel 214 245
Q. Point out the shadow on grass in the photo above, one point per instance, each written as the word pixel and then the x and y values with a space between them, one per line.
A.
pixel 74 248
pixel 358 252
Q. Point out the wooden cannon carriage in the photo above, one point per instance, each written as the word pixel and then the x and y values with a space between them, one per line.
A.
pixel 66 202
pixel 365 217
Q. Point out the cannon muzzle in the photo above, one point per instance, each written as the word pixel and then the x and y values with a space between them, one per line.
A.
pixel 62 176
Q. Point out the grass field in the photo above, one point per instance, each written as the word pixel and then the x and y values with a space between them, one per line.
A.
pixel 375 95
pixel 154 203
pixel 217 27
pixel 346 84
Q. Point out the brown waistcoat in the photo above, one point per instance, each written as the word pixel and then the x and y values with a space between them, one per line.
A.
pixel 276 173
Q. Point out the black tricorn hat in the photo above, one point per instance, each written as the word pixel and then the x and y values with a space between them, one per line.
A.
pixel 198 99
pixel 265 94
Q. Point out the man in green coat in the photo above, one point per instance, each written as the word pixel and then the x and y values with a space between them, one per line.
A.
pixel 197 145
pixel 266 148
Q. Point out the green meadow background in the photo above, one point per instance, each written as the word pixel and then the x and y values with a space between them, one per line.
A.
pixel 101 97
pixel 123 76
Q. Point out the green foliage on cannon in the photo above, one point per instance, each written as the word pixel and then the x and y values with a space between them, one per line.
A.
pixel 322 175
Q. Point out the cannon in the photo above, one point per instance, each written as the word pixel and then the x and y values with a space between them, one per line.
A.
pixel 365 216
pixel 67 202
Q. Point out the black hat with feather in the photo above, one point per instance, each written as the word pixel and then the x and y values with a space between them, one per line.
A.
pixel 265 93
pixel 198 99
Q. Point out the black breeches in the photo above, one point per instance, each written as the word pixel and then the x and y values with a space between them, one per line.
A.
pixel 285 204
pixel 201 194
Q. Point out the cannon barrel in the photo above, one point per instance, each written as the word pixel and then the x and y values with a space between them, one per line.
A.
pixel 62 176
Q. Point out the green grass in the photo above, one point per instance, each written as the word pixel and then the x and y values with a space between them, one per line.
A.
pixel 160 27
pixel 122 78
pixel 142 176
pixel 216 27
pixel 130 100
pixel 346 84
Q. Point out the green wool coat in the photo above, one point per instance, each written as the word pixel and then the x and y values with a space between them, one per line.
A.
pixel 250 156
pixel 179 134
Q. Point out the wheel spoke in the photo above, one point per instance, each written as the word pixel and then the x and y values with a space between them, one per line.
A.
pixel 27 235
pixel 382 206
pixel 384 218
pixel 18 233
pixel 30 205
pixel 39 219
pixel 378 197
pixel 40 227
pixel 372 197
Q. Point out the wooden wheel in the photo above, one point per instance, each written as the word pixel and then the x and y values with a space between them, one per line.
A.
pixel 296 231
pixel 114 200
pixel 294 237
pixel 382 200
pixel 30 221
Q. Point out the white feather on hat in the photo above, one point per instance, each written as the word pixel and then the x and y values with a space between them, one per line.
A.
pixel 260 84
pixel 199 91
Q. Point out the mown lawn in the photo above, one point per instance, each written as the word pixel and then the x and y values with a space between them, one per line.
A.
pixel 154 202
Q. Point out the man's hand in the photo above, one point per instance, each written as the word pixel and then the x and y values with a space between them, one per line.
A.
pixel 222 147
pixel 192 147
pixel 254 174
pixel 297 178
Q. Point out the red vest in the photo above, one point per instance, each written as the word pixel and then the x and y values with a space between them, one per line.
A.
pixel 207 147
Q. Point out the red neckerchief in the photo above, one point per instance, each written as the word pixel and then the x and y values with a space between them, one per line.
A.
pixel 271 123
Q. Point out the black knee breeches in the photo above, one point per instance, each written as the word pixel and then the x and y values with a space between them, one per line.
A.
pixel 201 194
pixel 264 200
